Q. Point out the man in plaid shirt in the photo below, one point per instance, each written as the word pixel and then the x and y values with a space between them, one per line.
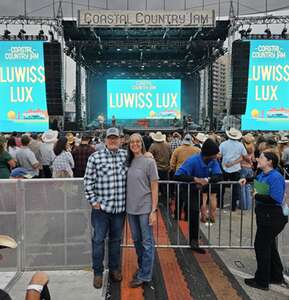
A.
pixel 105 190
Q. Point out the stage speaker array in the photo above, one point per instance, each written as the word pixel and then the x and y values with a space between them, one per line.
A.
pixel 240 64
pixel 53 74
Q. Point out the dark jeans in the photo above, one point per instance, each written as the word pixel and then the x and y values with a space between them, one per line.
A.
pixel 106 224
pixel 192 209
pixel 270 222
pixel 142 235
pixel 236 193
pixel 163 175
pixel 46 172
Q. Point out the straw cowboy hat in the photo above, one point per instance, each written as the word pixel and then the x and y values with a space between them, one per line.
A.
pixel 283 140
pixel 234 134
pixel 249 138
pixel 201 137
pixel 70 138
pixel 50 136
pixel 7 242
pixel 158 137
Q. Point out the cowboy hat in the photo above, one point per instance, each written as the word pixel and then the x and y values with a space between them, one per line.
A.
pixel 50 136
pixel 158 137
pixel 249 138
pixel 201 137
pixel 187 140
pixel 70 138
pixel 234 134
pixel 7 242
pixel 283 140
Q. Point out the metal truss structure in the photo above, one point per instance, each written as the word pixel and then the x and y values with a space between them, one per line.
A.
pixel 54 23
pixel 238 22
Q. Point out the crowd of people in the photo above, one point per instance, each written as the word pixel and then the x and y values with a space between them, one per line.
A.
pixel 121 175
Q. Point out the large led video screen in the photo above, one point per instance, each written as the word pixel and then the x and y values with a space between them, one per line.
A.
pixel 144 99
pixel 22 87
pixel 267 106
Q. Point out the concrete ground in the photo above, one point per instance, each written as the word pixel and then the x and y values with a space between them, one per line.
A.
pixel 70 285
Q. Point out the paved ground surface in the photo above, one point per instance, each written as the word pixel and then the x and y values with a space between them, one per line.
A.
pixel 179 274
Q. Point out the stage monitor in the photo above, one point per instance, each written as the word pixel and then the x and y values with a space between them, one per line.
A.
pixel 22 87
pixel 144 99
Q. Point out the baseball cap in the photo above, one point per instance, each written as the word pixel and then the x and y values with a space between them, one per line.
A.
pixel 112 131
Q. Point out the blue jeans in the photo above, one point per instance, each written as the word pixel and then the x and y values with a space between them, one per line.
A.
pixel 106 224
pixel 246 190
pixel 142 235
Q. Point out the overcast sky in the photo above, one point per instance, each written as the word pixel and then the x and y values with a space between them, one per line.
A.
pixel 70 7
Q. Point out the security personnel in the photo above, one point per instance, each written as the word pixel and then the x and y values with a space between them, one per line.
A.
pixel 270 222
pixel 199 169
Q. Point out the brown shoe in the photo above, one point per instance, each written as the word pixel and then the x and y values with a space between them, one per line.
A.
pixel 135 283
pixel 115 276
pixel 97 281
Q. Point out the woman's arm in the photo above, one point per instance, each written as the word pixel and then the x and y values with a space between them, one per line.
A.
pixel 155 192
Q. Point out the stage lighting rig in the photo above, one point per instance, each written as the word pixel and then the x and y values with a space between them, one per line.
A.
pixel 249 30
pixel 6 35
pixel 41 35
pixel 50 32
pixel 284 33
pixel 243 33
pixel 268 32
pixel 21 34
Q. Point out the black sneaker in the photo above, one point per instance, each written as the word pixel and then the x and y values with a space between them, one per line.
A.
pixel 195 247
pixel 252 283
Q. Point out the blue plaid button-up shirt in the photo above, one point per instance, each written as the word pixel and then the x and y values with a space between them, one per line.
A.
pixel 105 180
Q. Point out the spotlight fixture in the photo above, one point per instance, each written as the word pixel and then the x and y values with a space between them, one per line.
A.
pixel 268 32
pixel 50 32
pixel 243 34
pixel 6 35
pixel 41 34
pixel 249 30
pixel 21 34
pixel 284 33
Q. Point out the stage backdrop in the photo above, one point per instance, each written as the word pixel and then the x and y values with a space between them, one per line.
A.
pixel 22 87
pixel 267 105
pixel 144 99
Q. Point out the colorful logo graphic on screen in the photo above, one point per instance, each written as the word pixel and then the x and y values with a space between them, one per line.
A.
pixel 144 99
pixel 268 86
pixel 22 87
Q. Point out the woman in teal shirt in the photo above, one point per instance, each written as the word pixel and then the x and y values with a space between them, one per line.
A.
pixel 270 222
pixel 6 161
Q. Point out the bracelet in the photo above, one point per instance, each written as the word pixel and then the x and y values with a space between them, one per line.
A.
pixel 154 210
pixel 35 287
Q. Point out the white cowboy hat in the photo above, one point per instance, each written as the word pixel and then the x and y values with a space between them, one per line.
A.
pixel 50 136
pixel 201 137
pixel 187 140
pixel 7 242
pixel 234 134
pixel 283 140
pixel 158 137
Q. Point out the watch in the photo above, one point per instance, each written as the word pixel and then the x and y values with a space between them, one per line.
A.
pixel 155 210
pixel 35 287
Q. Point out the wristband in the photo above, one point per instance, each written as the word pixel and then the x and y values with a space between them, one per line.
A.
pixel 154 210
pixel 35 287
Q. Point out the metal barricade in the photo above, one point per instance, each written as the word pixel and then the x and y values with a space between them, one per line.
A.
pixel 50 219
pixel 180 202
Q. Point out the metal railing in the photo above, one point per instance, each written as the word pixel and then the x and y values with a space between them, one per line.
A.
pixel 50 219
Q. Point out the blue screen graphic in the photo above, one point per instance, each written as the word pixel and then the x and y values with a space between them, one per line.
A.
pixel 22 87
pixel 144 99
pixel 268 86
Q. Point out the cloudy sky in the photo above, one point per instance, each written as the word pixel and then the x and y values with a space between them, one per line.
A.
pixel 70 7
